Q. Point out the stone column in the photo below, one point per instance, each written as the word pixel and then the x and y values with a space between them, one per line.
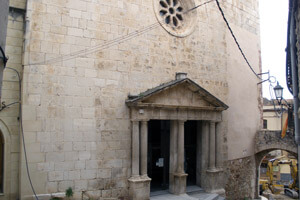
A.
pixel 139 186
pixel 180 176
pixel 135 150
pixel 204 153
pixel 212 146
pixel 205 145
pixel 219 159
pixel 180 145
pixel 144 148
pixel 214 177
pixel 173 154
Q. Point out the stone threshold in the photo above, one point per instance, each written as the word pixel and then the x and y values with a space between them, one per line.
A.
pixel 193 193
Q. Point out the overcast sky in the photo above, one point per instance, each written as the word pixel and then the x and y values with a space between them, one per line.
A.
pixel 273 24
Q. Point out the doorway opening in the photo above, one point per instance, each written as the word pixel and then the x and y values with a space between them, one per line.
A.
pixel 158 154
pixel 190 151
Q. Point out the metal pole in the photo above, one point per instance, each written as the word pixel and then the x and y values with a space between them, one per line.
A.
pixel 295 81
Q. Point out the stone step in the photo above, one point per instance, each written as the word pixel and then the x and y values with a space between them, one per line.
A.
pixel 194 196
pixel 205 196
pixel 193 189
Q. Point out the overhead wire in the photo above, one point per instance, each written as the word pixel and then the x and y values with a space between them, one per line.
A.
pixel 235 39
pixel 109 43
pixel 194 8
pixel 99 47
pixel 74 55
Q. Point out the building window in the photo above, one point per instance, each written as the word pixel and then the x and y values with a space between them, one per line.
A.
pixel 265 124
pixel 172 12
pixel 175 16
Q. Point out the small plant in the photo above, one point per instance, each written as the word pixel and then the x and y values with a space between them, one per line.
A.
pixel 55 198
pixel 69 192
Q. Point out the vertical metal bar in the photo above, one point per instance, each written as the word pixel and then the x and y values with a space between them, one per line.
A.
pixel 295 81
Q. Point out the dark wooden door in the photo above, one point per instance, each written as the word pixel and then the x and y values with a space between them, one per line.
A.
pixel 190 151
pixel 158 153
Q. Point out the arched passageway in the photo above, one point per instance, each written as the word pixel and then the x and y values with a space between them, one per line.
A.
pixel 268 141
pixel 259 158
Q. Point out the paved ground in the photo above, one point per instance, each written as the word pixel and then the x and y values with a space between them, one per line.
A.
pixel 172 197
pixel 194 193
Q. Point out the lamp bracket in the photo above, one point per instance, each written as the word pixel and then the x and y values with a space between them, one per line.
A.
pixel 270 79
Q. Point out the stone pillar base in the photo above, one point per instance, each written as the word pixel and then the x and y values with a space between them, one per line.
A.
pixel 139 188
pixel 180 183
pixel 215 181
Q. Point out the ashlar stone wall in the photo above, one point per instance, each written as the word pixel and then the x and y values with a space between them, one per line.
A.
pixel 76 124
pixel 9 116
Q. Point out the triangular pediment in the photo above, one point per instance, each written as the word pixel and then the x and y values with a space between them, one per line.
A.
pixel 183 93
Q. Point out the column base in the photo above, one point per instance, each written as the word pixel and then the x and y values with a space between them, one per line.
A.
pixel 139 188
pixel 214 181
pixel 180 183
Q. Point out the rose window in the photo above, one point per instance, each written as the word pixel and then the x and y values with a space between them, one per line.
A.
pixel 172 12
pixel 174 18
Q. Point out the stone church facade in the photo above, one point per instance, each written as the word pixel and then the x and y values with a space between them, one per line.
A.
pixel 121 98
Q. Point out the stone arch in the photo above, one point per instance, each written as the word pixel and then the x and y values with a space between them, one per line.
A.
pixel 267 141
pixel 259 157
pixel 5 134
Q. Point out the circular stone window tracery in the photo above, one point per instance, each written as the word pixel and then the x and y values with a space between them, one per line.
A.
pixel 173 15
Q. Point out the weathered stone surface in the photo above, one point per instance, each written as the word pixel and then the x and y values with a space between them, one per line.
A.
pixel 268 140
pixel 76 123
pixel 139 189
pixel 241 177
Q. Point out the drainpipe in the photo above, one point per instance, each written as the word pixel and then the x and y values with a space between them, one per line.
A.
pixel 294 72
pixel 4 7
pixel 292 41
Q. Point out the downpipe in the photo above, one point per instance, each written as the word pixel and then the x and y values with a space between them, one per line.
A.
pixel 294 79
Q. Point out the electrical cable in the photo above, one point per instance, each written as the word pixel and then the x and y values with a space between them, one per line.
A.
pixel 7 106
pixel 237 43
pixel 4 58
pixel 22 132
pixel 100 46
pixel 198 6
pixel 110 43
pixel 74 55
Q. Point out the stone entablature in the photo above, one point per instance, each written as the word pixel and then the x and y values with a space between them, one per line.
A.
pixel 142 113
pixel 181 99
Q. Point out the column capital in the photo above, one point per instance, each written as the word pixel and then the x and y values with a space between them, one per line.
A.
pixel 181 121
pixel 144 120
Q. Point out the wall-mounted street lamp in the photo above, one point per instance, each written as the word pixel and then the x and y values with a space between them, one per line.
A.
pixel 278 90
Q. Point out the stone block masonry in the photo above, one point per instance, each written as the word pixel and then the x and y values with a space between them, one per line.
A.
pixel 76 124
pixel 9 122
pixel 241 177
